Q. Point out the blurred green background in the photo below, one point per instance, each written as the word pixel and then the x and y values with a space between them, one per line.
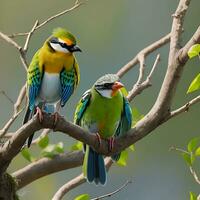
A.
pixel 110 33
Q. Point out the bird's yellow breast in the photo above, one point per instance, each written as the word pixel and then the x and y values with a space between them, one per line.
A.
pixel 54 62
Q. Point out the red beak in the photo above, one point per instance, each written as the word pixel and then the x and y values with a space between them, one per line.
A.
pixel 116 86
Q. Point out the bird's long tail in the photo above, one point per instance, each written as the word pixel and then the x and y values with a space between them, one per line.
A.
pixel 28 115
pixel 94 167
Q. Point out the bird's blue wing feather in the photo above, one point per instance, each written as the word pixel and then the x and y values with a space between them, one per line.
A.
pixel 34 80
pixel 67 80
pixel 81 107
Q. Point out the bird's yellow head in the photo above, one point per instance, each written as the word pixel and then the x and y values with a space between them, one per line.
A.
pixel 63 41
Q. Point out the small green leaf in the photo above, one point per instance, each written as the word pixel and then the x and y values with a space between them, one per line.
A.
pixel 83 197
pixel 193 143
pixel 194 51
pixel 48 154
pixel 123 158
pixel 197 152
pixel 195 85
pixel 77 146
pixel 132 147
pixel 43 142
pixel 136 115
pixel 49 151
pixel 27 155
pixel 193 196
pixel 187 158
pixel 59 147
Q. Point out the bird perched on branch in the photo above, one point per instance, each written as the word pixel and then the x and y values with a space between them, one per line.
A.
pixel 104 111
pixel 52 76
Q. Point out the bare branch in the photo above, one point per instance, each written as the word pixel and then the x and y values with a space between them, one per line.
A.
pixel 195 175
pixel 146 51
pixel 140 86
pixel 76 182
pixel 7 97
pixel 185 107
pixel 37 170
pixel 29 36
pixel 114 192
pixel 20 98
pixel 4 130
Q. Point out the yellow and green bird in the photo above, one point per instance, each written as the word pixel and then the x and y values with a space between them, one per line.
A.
pixel 53 75
pixel 103 110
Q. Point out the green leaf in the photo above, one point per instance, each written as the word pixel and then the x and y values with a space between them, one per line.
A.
pixel 197 152
pixel 187 158
pixel 194 51
pixel 195 85
pixel 193 143
pixel 83 197
pixel 77 146
pixel 59 147
pixel 43 142
pixel 49 151
pixel 132 147
pixel 136 115
pixel 27 155
pixel 123 158
pixel 193 196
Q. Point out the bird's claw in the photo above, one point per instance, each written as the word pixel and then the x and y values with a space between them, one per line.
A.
pixel 111 142
pixel 39 114
pixel 56 116
pixel 98 139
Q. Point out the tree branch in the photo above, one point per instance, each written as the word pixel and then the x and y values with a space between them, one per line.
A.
pixel 185 107
pixel 37 170
pixel 139 85
pixel 146 51
pixel 76 182
pixel 112 193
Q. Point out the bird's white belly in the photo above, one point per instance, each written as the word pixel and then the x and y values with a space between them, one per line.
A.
pixel 50 89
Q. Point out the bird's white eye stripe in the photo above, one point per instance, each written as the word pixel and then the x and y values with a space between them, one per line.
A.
pixel 57 47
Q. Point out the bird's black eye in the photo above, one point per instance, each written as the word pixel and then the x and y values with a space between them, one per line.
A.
pixel 108 85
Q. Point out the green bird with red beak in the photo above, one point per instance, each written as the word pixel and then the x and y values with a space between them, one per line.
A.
pixel 103 110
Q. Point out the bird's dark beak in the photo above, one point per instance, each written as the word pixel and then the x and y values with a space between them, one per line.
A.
pixel 75 48
pixel 115 87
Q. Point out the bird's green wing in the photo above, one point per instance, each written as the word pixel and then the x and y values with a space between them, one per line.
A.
pixel 34 80
pixel 81 107
pixel 125 123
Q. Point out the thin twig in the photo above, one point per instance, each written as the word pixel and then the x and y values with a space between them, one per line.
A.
pixel 76 182
pixel 178 149
pixel 76 5
pixel 4 130
pixel 114 192
pixel 146 51
pixel 29 36
pixel 140 86
pixel 195 175
pixel 7 97
pixel 185 107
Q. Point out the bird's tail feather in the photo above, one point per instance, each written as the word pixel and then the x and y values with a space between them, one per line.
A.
pixel 28 115
pixel 94 167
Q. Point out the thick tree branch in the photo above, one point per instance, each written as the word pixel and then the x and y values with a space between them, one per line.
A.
pixel 37 170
